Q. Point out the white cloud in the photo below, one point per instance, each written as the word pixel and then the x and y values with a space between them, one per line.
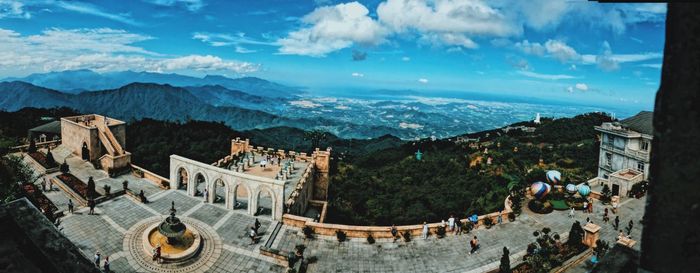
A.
pixel 582 86
pixel 423 80
pixel 415 126
pixel 223 39
pixel 13 9
pixel 530 48
pixel 605 59
pixel 356 74
pixel 192 5
pixel 405 58
pixel 243 50
pixel 331 28
pixel 657 66
pixel 545 76
pixel 95 11
pixel 552 48
pixel 101 49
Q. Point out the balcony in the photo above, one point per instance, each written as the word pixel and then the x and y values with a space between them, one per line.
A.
pixel 639 155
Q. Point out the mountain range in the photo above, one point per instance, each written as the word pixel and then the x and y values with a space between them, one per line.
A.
pixel 77 81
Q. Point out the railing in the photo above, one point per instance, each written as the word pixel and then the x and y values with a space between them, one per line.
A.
pixel 628 152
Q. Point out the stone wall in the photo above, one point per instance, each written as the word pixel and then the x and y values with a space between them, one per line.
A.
pixel 321 161
pixel 73 135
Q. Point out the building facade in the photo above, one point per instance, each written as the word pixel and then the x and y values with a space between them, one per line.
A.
pixel 625 144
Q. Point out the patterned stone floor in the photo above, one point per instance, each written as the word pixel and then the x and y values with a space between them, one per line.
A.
pixel 104 232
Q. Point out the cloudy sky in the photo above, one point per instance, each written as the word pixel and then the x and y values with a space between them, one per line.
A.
pixel 570 49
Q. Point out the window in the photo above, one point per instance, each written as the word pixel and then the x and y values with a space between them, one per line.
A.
pixel 645 145
pixel 640 166
pixel 608 159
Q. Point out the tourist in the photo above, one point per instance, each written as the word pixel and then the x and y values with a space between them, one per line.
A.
pixel 107 264
pixel 43 184
pixel 142 197
pixel 588 220
pixel 571 213
pixel 443 224
pixel 256 225
pixel 621 235
pixel 279 161
pixel 458 225
pixel 614 208
pixel 474 243
pixel 617 221
pixel 585 206
pixel 451 222
pixel 253 234
pixel 500 217
pixel 394 232
pixel 70 206
pixel 425 230
pixel 97 259
pixel 91 204
pixel 629 227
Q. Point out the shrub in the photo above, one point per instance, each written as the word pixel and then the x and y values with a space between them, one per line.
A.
pixel 538 206
pixel 125 184
pixel 370 238
pixel 341 235
pixel 575 235
pixel 107 188
pixel 468 226
pixel 32 146
pixel 488 222
pixel 308 232
pixel 601 248
pixel 64 167
pixel 505 262
pixel 49 158
pixel 406 236
pixel 511 216
pixel 606 194
pixel 441 232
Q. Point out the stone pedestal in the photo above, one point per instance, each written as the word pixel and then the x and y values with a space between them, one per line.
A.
pixel 591 234
pixel 626 242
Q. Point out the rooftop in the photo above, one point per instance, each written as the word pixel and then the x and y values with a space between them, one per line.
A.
pixel 272 169
pixel 641 122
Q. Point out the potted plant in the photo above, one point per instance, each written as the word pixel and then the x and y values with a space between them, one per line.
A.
pixel 308 232
pixel 370 238
pixel 488 222
pixel 107 188
pixel 511 217
pixel 341 236
pixel 406 236
pixel 64 167
pixel 441 232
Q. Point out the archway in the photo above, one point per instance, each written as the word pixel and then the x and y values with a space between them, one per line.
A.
pixel 219 192
pixel 200 183
pixel 182 178
pixel 241 195
pixel 265 202
pixel 85 152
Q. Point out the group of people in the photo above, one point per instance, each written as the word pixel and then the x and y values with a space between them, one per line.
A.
pixel 271 159
pixel 106 263
pixel 46 184
pixel 157 254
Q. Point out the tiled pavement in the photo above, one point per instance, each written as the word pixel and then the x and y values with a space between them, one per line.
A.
pixel 103 233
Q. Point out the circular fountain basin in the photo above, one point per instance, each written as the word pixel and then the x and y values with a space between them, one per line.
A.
pixel 187 247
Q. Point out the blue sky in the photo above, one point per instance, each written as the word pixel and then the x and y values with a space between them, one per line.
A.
pixel 568 50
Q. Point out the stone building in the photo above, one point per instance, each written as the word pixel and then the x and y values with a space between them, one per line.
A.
pixel 97 139
pixel 624 152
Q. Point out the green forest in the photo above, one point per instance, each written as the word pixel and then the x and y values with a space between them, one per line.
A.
pixel 377 181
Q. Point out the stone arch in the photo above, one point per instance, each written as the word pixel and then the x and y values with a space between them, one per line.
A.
pixel 182 176
pixel 240 196
pixel 199 183
pixel 265 202
pixel 219 190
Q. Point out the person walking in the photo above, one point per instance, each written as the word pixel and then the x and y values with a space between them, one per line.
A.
pixel 474 243
pixel 425 230
pixel 206 194
pixel 91 204
pixel 256 225
pixel 458 225
pixel 43 184
pixel 617 221
pixel 585 206
pixel 571 213
pixel 252 235
pixel 106 266
pixel 590 206
pixel 451 222
pixel 97 259
pixel 70 206
pixel 500 217
pixel 394 232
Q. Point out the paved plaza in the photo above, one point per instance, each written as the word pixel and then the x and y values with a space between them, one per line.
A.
pixel 105 231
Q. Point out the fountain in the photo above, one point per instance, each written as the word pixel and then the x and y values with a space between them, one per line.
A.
pixel 177 242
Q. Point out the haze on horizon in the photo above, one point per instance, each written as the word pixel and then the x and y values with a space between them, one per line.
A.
pixel 566 50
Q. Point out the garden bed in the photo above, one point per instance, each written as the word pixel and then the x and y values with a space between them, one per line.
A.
pixel 40 200
pixel 541 207
pixel 75 184
pixel 559 204
pixel 575 202
pixel 41 158
pixel 564 256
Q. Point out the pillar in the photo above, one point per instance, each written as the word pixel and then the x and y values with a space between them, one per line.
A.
pixel 591 235
pixel 321 160
pixel 670 236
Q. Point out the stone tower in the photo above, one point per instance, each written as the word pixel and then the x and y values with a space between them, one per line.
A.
pixel 321 175
pixel 239 146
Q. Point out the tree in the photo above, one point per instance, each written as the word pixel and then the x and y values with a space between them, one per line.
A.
pixel 575 235
pixel 32 146
pixel 315 137
pixel 49 158
pixel 505 262
pixel 90 188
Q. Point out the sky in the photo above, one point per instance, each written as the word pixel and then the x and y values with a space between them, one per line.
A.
pixel 568 50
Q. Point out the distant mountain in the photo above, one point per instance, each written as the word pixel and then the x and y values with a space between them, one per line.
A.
pixel 17 95
pixel 76 81
pixel 218 95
